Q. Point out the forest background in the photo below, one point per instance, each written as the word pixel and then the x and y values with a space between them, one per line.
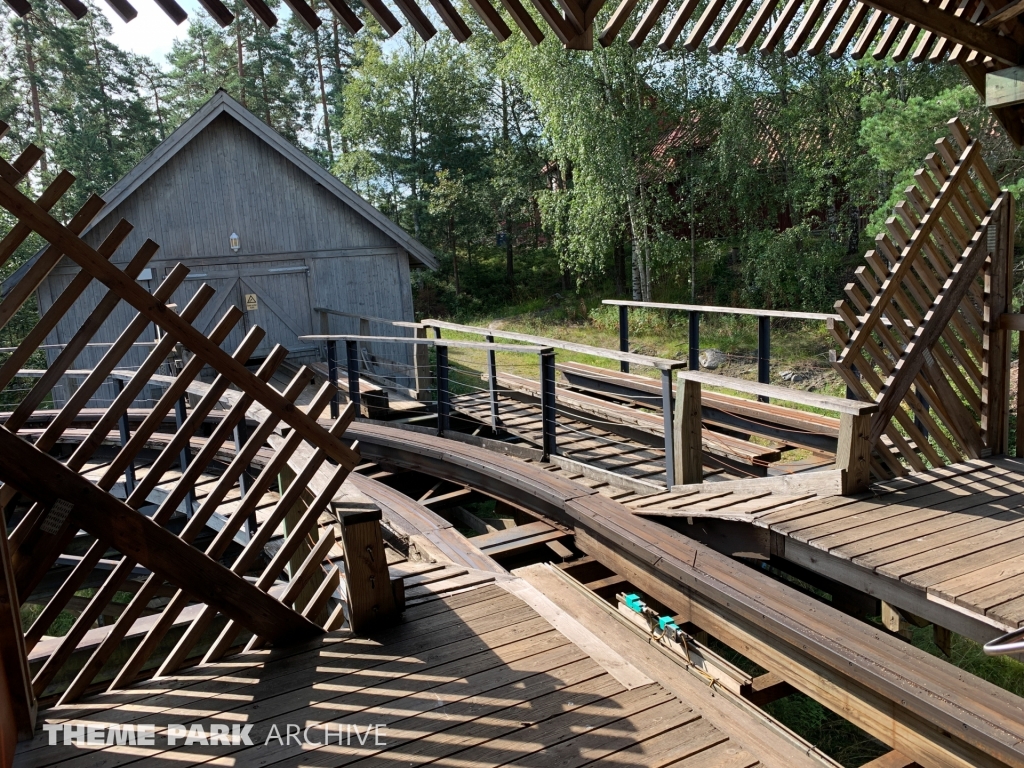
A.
pixel 540 176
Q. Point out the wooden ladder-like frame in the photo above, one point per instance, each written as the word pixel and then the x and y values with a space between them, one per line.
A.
pixel 247 600
pixel 923 337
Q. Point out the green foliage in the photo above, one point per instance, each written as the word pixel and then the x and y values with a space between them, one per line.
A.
pixel 793 269
pixel 898 133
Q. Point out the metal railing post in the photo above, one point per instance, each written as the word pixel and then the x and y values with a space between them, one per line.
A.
pixel 492 383
pixel 240 434
pixel 185 457
pixel 623 335
pixel 917 419
pixel 352 360
pixel 694 332
pixel 764 352
pixel 325 322
pixel 332 375
pixel 125 435
pixel 443 401
pixel 667 421
pixel 547 401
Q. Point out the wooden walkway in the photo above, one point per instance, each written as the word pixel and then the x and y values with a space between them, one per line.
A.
pixel 475 679
pixel 954 535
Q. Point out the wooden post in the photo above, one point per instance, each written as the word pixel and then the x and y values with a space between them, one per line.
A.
pixel 421 357
pixel 764 352
pixel 547 401
pixel 371 601
pixel 352 363
pixel 332 376
pixel 853 455
pixel 688 451
pixel 995 370
pixel 667 418
pixel 492 383
pixel 694 334
pixel 624 335
pixel 443 401
pixel 1020 396
pixel 17 701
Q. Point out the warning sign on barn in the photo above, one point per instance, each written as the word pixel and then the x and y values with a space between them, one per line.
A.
pixel 251 305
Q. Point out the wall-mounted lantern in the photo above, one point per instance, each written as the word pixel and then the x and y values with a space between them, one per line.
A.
pixel 234 242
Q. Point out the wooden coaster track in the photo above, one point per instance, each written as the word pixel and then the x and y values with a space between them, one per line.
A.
pixel 880 683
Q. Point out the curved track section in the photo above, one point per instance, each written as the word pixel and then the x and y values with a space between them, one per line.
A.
pixel 908 699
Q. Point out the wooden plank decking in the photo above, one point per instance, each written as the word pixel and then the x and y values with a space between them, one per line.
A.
pixel 954 535
pixel 478 678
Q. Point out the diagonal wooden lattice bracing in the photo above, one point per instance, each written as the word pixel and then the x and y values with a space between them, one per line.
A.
pixel 183 573
pixel 922 336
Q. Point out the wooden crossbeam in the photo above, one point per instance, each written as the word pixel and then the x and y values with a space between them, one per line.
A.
pixel 36 551
pixel 123 570
pixel 46 480
pixel 86 257
pixel 252 551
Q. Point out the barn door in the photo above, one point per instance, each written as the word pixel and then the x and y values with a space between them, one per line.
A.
pixel 276 298
pixel 228 293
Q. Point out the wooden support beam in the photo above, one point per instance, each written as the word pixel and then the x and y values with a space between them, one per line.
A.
pixel 853 455
pixel 937 318
pixel 881 710
pixel 371 601
pixel 68 495
pixel 767 688
pixel 388 21
pixel 892 759
pixel 619 17
pixel 995 389
pixel 346 15
pixel 956 29
pixel 524 20
pixel 78 251
pixel 688 453
pixel 17 699
pixel 496 24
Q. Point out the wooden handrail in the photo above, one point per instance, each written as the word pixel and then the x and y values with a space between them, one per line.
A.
pixel 536 350
pixel 660 363
pixel 396 323
pixel 812 399
pixel 722 310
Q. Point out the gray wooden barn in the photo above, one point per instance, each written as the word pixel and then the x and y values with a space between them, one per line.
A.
pixel 266 226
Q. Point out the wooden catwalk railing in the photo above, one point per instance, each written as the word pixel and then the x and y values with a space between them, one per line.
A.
pixel 52 504
pixel 922 336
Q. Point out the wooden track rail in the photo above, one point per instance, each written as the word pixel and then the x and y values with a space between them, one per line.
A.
pixel 107 521
pixel 904 697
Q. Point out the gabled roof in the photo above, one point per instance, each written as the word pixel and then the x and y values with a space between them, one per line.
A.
pixel 220 104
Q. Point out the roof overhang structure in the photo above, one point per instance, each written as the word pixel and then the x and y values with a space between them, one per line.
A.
pixel 981 36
